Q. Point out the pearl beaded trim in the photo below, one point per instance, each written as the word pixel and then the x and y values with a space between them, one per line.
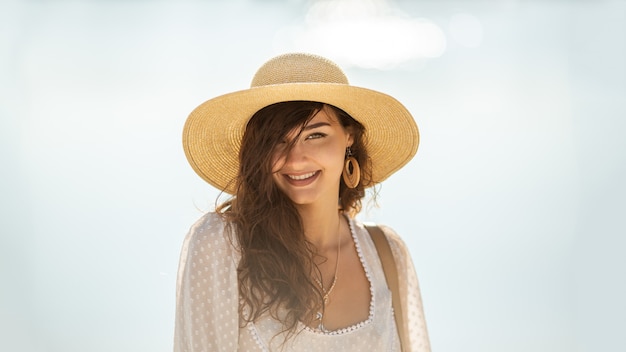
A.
pixel 369 279
pixel 259 341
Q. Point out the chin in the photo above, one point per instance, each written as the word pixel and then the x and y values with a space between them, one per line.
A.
pixel 301 200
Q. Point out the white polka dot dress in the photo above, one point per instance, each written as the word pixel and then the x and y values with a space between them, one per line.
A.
pixel 207 312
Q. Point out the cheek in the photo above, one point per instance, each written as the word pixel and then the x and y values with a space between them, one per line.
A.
pixel 334 158
pixel 276 165
pixel 340 162
pixel 276 175
pixel 278 160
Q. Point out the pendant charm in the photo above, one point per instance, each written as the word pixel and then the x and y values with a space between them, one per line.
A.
pixel 319 316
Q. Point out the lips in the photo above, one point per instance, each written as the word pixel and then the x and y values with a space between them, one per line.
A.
pixel 302 179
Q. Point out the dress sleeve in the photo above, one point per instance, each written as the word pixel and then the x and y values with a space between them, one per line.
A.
pixel 206 293
pixel 409 293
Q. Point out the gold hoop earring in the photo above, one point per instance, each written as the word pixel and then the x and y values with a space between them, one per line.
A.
pixel 351 170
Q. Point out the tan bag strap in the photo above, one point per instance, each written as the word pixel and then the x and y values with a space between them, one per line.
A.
pixel 391 275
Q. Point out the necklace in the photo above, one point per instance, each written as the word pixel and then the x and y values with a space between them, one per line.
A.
pixel 320 315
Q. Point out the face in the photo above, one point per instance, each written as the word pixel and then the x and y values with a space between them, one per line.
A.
pixel 310 172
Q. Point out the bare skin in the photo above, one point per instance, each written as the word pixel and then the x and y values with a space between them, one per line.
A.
pixel 310 174
pixel 350 299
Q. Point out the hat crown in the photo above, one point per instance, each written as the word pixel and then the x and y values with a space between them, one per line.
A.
pixel 298 68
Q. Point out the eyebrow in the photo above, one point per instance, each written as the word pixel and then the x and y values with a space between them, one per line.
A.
pixel 316 125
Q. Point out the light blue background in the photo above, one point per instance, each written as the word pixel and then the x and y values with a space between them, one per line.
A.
pixel 514 207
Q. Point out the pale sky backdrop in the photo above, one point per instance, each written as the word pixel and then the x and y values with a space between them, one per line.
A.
pixel 514 207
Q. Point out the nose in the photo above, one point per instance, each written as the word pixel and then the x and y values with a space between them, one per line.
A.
pixel 295 157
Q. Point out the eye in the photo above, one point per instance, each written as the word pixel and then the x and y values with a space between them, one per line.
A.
pixel 316 135
pixel 280 146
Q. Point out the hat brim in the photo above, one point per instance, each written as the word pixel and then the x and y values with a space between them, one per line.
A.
pixel 213 131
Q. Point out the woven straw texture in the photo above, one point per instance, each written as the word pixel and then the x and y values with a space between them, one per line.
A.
pixel 213 131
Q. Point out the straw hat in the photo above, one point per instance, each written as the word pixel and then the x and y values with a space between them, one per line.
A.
pixel 213 131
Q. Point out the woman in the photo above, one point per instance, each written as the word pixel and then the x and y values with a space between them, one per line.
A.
pixel 283 265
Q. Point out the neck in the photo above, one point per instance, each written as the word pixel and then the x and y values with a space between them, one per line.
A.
pixel 321 226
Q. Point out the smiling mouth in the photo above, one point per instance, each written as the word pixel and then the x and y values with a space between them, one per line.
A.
pixel 303 176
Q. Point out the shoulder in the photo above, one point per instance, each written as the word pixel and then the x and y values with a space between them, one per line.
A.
pixel 211 231
pixel 210 221
pixel 392 236
pixel 396 243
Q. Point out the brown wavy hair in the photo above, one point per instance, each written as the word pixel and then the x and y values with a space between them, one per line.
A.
pixel 276 268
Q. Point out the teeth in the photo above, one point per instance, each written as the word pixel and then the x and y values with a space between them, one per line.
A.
pixel 302 177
